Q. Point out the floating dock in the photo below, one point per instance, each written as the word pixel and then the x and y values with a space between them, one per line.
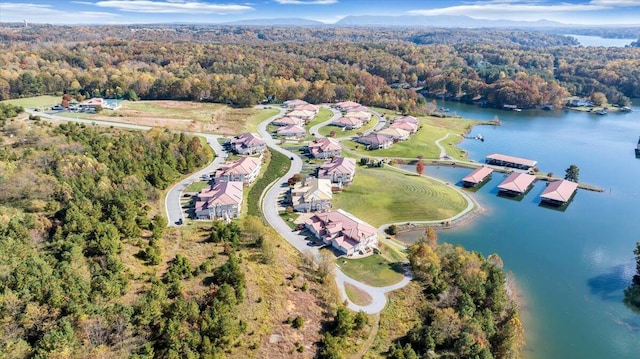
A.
pixel 478 176
pixel 559 192
pixel 516 184
pixel 510 161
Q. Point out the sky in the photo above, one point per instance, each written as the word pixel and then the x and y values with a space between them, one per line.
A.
pixel 579 12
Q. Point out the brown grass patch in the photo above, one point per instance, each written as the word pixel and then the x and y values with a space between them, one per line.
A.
pixel 357 295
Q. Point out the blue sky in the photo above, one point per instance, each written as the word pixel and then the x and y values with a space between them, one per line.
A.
pixel 586 12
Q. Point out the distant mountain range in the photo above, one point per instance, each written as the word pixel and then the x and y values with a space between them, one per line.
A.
pixel 401 21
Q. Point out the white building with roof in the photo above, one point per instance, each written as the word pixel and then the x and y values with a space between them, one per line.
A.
pixel 222 200
pixel 343 231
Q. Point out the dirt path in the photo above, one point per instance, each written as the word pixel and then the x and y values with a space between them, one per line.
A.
pixel 372 336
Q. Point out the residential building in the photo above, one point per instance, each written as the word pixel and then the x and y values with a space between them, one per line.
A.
pixel 375 141
pixel 244 169
pixel 343 231
pixel 294 103
pixel 303 114
pixel 314 194
pixel 346 105
pixel 358 108
pixel 296 131
pixel 325 148
pixel 307 107
pixel 288 121
pixel 340 170
pixel 407 126
pixel 222 200
pixel 397 134
pixel 360 115
pixel 348 123
pixel 409 119
pixel 248 144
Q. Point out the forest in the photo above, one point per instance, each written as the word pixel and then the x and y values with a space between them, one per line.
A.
pixel 244 66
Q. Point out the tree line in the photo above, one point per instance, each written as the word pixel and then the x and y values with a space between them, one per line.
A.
pixel 243 66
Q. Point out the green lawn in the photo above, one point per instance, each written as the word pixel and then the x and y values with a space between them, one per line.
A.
pixel 278 165
pixel 423 142
pixel 356 295
pixel 385 195
pixel 288 218
pixel 323 115
pixel 196 186
pixel 326 130
pixel 253 121
pixel 33 102
pixel 373 270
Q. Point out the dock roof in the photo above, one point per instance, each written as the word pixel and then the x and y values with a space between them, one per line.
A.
pixel 512 159
pixel 560 191
pixel 517 182
pixel 478 175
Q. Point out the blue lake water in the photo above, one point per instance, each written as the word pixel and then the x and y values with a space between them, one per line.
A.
pixel 571 266
pixel 601 41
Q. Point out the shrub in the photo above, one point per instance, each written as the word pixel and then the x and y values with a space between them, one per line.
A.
pixel 297 322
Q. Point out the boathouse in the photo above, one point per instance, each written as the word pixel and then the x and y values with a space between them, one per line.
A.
pixel 516 184
pixel 510 161
pixel 477 176
pixel 559 192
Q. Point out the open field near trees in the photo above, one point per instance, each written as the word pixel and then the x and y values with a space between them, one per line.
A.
pixel 382 195
pixel 373 270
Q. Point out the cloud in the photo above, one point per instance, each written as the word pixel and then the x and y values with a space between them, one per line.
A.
pixel 511 8
pixel 307 2
pixel 173 7
pixel 12 12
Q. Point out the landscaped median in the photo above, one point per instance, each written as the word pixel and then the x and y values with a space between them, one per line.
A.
pixel 278 165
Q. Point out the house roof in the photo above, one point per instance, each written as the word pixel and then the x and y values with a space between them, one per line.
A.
pixel 347 104
pixel 301 113
pixel 242 166
pixel 343 226
pixel 358 114
pixel 337 165
pixel 324 145
pixel 93 101
pixel 291 129
pixel 221 193
pixel 517 182
pixel 478 175
pixel 358 108
pixel 511 159
pixel 247 140
pixel 306 107
pixel 348 121
pixel 561 190
pixel 295 102
pixel 313 189
pixel 409 119
pixel 288 120
pixel 407 126
pixel 374 139
pixel 394 132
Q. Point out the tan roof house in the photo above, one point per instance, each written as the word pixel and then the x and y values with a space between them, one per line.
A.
pixel 296 131
pixel 343 231
pixel 294 103
pixel 395 133
pixel 409 119
pixel 346 105
pixel 303 114
pixel 244 169
pixel 375 141
pixel 312 195
pixel 340 170
pixel 407 126
pixel 358 108
pixel 248 144
pixel 325 148
pixel 360 115
pixel 348 123
pixel 307 107
pixel 288 121
pixel 516 183
pixel 222 200
pixel 559 192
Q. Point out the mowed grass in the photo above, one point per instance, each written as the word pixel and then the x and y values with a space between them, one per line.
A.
pixel 278 165
pixel 323 115
pixel 357 295
pixel 385 195
pixel 326 130
pixel 424 141
pixel 33 102
pixel 254 120
pixel 373 270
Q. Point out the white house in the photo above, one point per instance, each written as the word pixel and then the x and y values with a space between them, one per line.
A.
pixel 395 133
pixel 325 148
pixel 375 141
pixel 340 170
pixel 244 169
pixel 248 144
pixel 343 231
pixel 222 200
pixel 312 195
pixel 348 123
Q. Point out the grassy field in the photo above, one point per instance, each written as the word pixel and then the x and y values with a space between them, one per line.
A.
pixel 382 195
pixel 278 165
pixel 326 130
pixel 33 102
pixel 373 270
pixel 423 142
pixel 323 115
pixel 254 120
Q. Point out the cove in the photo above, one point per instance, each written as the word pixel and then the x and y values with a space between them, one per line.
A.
pixel 573 265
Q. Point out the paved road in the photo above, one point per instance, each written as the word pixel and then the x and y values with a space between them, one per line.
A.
pixel 336 115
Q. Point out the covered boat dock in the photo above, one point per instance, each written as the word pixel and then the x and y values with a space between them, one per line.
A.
pixel 559 192
pixel 477 176
pixel 510 161
pixel 516 184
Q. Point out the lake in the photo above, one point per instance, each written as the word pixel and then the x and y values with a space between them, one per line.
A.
pixel 601 41
pixel 571 266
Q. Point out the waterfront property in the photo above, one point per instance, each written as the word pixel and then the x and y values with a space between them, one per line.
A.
pixel 409 119
pixel 343 231
pixel 222 200
pixel 375 141
pixel 248 144
pixel 478 176
pixel 516 183
pixel 339 171
pixel 244 169
pixel 312 195
pixel 559 192
pixel 324 148
pixel 407 126
pixel 510 161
